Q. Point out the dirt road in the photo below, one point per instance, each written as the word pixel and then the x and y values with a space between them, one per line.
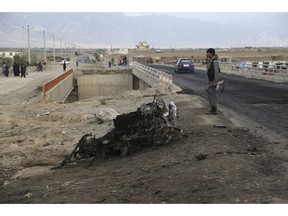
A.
pixel 239 164
pixel 15 89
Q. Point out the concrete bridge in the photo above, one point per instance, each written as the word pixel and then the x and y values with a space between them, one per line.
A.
pixel 137 77
pixel 150 77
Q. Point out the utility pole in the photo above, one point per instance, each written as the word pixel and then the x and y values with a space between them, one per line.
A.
pixel 54 48
pixel 29 55
pixel 45 60
pixel 65 50
pixel 61 46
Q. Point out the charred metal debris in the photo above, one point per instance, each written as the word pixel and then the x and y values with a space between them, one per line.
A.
pixel 153 124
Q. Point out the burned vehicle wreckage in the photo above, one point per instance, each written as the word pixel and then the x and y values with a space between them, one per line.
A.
pixel 153 124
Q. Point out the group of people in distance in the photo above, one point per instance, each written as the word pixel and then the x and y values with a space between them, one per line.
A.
pixel 20 69
pixel 17 69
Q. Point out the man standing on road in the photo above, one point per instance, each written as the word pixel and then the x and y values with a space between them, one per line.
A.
pixel 5 69
pixel 212 79
pixel 15 68
pixel 39 67
pixel 64 66
pixel 23 70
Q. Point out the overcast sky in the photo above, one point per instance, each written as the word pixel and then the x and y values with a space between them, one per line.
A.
pixel 220 17
pixel 145 6
pixel 180 8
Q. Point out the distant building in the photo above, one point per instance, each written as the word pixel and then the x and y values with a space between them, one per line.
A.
pixel 142 45
pixel 9 54
pixel 123 51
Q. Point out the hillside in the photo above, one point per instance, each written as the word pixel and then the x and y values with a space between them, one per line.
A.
pixel 119 30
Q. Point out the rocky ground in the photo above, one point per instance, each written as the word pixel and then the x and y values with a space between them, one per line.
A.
pixel 221 159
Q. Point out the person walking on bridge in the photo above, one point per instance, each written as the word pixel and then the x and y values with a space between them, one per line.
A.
pixel 213 71
pixel 64 66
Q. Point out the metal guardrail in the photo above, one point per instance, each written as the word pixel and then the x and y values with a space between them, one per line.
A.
pixel 151 76
pixel 265 69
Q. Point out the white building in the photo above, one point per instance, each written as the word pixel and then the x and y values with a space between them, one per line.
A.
pixel 119 51
pixel 142 45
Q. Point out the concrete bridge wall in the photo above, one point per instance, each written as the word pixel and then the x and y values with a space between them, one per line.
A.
pixel 59 92
pixel 103 85
pixel 59 88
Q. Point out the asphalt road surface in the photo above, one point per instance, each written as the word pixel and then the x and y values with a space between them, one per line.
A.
pixel 264 102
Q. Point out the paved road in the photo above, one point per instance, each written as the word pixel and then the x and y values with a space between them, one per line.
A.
pixel 264 102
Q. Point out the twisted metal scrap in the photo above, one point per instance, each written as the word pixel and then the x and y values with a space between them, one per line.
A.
pixel 150 125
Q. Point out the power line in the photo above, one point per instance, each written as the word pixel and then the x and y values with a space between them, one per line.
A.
pixel 10 20
pixel 1 21
pixel 13 21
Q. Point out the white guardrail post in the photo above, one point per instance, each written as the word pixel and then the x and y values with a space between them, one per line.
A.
pixel 151 76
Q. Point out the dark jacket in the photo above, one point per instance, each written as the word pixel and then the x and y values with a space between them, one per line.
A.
pixel 213 71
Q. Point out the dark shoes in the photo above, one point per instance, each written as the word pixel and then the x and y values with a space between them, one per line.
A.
pixel 213 111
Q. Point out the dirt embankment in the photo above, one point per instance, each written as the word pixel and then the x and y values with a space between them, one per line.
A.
pixel 220 159
pixel 214 162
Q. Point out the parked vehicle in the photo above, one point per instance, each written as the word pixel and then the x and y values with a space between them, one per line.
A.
pixel 184 65
pixel 62 62
pixel 241 65
pixel 281 65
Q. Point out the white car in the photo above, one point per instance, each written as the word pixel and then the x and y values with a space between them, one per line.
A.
pixel 62 62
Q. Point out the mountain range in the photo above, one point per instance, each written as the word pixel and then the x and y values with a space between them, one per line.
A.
pixel 115 29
